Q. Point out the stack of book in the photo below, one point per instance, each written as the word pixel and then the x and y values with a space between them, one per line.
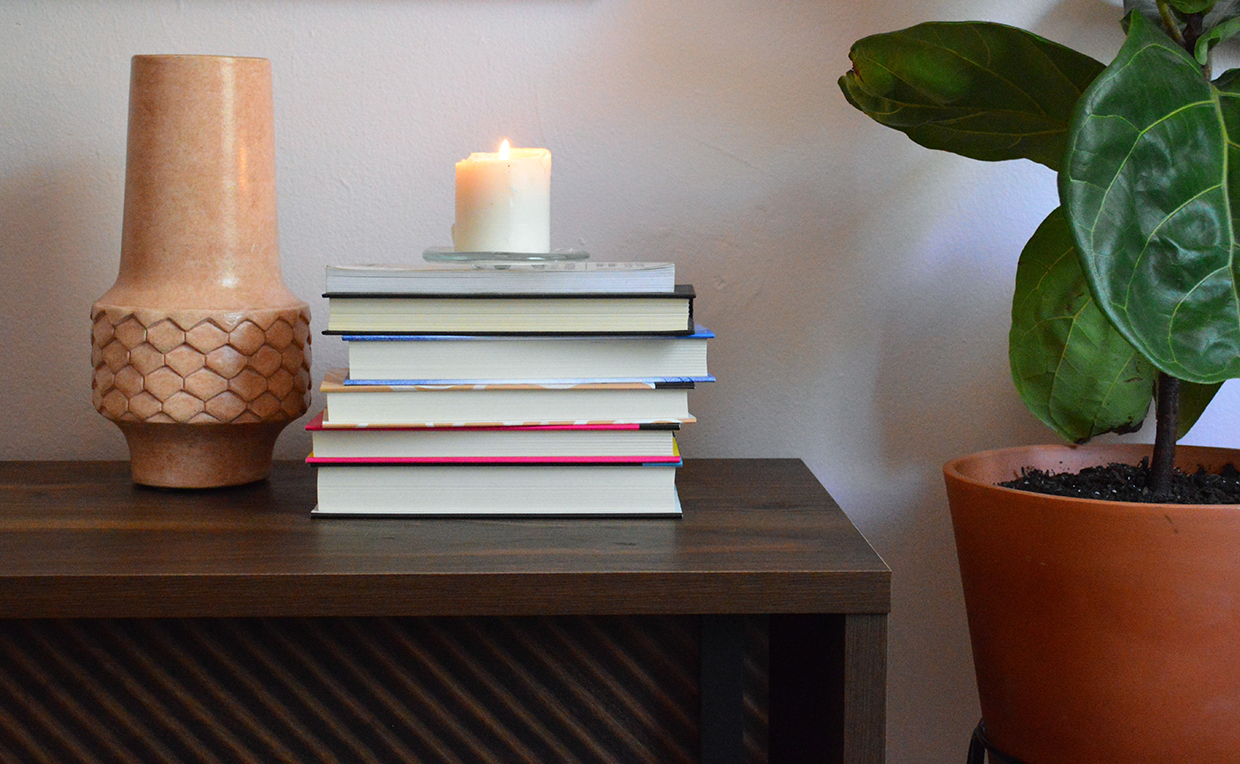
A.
pixel 507 389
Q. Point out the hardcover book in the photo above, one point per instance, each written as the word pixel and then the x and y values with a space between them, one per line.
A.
pixel 501 278
pixel 566 444
pixel 421 358
pixel 530 313
pixel 504 404
pixel 491 490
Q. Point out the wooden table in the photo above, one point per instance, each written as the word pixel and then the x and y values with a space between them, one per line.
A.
pixel 227 625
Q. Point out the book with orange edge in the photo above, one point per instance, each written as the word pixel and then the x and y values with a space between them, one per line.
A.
pixel 504 404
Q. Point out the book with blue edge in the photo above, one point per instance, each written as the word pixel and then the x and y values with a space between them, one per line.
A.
pixel 411 359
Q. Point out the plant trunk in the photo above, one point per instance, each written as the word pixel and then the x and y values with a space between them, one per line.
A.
pixel 1167 424
pixel 1167 407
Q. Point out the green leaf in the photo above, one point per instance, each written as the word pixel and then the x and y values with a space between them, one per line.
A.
pixel 1147 187
pixel 1193 401
pixel 1191 6
pixel 1219 25
pixel 985 91
pixel 1147 8
pixel 1070 366
pixel 1220 33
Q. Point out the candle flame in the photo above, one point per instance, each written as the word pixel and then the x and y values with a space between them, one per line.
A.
pixel 503 149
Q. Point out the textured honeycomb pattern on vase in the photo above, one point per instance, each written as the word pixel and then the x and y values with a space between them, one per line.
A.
pixel 201 367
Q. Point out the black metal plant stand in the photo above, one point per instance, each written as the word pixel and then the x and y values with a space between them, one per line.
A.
pixel 979 746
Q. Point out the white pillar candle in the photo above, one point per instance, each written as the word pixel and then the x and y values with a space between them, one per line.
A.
pixel 503 202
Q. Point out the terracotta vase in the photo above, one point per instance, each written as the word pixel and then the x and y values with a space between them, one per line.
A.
pixel 1102 632
pixel 201 353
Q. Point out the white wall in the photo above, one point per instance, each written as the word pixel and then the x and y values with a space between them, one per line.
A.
pixel 858 284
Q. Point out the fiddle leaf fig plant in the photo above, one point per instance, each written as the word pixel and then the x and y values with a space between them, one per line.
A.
pixel 1129 291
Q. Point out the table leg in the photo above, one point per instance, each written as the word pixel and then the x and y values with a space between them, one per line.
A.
pixel 865 688
pixel 723 689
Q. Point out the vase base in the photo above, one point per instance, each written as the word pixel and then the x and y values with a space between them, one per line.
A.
pixel 200 456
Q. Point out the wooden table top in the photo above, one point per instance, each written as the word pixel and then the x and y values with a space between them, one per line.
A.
pixel 78 539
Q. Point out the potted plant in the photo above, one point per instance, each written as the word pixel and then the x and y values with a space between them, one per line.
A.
pixel 1102 631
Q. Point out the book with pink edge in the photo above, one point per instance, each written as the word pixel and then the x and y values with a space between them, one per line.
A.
pixel 530 444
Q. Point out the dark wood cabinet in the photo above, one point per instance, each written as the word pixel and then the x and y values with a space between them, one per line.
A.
pixel 227 625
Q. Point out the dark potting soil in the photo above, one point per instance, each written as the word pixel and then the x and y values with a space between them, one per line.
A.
pixel 1126 482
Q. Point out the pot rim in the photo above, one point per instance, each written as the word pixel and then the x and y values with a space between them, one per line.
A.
pixel 956 470
pixel 208 56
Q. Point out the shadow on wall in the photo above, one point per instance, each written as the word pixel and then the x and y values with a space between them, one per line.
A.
pixel 796 251
pixel 769 301
pixel 953 342
pixel 713 131
pixel 944 387
pixel 1091 27
pixel 60 248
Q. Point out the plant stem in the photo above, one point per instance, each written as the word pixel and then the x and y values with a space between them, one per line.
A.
pixel 1162 463
pixel 1167 423
pixel 1170 24
pixel 1167 406
pixel 1193 28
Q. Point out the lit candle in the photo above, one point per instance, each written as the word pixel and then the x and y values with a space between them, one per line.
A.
pixel 503 201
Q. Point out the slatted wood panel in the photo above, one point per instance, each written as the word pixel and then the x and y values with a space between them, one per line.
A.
pixel 540 689
pixel 757 689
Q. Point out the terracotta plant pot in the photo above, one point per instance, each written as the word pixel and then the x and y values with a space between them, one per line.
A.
pixel 1102 632
pixel 201 353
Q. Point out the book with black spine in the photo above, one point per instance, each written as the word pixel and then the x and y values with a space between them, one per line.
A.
pixel 527 313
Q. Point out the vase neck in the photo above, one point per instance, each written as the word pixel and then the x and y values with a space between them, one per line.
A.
pixel 200 194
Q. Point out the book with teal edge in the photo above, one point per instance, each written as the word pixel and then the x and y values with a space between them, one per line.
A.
pixel 505 404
